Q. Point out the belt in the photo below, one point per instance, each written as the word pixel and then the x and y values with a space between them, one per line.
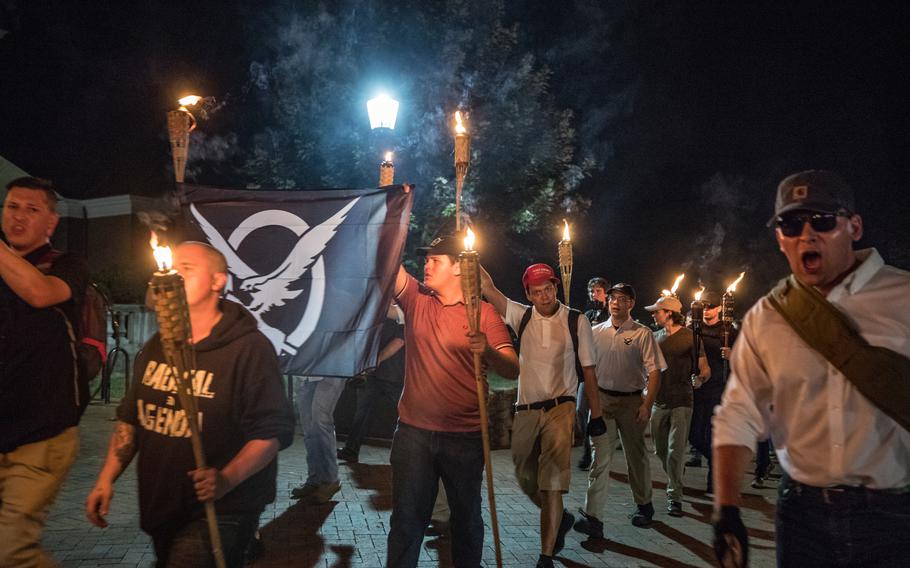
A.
pixel 619 393
pixel 844 493
pixel 546 405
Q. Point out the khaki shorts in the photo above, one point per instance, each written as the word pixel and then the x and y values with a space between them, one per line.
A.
pixel 542 449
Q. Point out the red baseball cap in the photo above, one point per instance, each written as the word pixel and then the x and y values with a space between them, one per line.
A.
pixel 538 274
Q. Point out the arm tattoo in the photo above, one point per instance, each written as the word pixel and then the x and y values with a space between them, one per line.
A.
pixel 124 442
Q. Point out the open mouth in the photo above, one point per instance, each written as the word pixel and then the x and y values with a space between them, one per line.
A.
pixel 811 261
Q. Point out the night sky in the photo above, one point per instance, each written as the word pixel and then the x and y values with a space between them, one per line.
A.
pixel 694 111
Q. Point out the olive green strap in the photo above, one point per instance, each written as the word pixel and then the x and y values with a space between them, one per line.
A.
pixel 878 373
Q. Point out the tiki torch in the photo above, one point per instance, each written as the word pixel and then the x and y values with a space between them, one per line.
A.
pixel 175 331
pixel 386 171
pixel 697 313
pixel 565 261
pixel 180 123
pixel 462 159
pixel 469 261
pixel 672 291
pixel 727 307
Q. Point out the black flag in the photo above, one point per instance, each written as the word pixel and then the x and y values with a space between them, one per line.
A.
pixel 316 268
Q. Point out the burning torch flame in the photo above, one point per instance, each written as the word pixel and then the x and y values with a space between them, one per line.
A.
pixel 189 100
pixel 459 125
pixel 732 287
pixel 163 256
pixel 469 240
pixel 699 293
pixel 388 157
pixel 565 231
pixel 672 291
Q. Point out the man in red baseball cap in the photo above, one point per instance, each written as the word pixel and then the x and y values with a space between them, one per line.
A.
pixel 556 351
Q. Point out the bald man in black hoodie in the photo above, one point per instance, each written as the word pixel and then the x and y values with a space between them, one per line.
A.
pixel 244 415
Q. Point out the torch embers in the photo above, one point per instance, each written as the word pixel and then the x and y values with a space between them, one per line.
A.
pixel 176 335
pixel 462 159
pixel 565 261
pixel 468 262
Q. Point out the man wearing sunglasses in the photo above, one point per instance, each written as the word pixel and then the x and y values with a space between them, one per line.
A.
pixel 844 498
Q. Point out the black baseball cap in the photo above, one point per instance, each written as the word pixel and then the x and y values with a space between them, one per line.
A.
pixel 819 191
pixel 626 289
pixel 711 297
pixel 446 244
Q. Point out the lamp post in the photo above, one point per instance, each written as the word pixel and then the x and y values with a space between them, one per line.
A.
pixel 383 112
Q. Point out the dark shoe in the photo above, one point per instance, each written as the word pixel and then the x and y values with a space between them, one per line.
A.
pixel 321 494
pixel 758 483
pixel 303 491
pixel 642 516
pixel 347 454
pixel 545 561
pixel 693 462
pixel 674 509
pixel 567 521
pixel 588 525
pixel 584 463
pixel 254 549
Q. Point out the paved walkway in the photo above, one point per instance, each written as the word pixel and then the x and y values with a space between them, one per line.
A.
pixel 351 531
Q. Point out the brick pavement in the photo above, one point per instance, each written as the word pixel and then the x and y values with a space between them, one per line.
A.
pixel 351 531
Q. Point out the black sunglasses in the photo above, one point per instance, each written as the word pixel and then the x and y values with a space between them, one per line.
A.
pixel 791 224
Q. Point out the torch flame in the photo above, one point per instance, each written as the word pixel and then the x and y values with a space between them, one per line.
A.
pixel 732 287
pixel 565 231
pixel 469 240
pixel 189 100
pixel 459 125
pixel 163 256
pixel 388 156
pixel 699 293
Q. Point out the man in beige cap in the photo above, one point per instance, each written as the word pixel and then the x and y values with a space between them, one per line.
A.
pixel 673 405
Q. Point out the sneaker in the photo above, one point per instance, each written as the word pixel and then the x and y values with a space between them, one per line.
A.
pixel 321 494
pixel 567 521
pixel 347 454
pixel 304 491
pixel 674 509
pixel 758 483
pixel 545 562
pixel 437 528
pixel 694 461
pixel 588 525
pixel 642 516
pixel 584 463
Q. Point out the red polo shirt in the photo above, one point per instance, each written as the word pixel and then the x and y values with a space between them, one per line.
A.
pixel 439 390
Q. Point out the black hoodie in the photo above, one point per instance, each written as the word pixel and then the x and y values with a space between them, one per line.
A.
pixel 241 397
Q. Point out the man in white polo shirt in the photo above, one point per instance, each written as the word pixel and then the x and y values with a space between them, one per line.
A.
pixel 550 355
pixel 628 365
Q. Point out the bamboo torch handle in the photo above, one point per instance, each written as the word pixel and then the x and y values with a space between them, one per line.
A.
pixel 488 465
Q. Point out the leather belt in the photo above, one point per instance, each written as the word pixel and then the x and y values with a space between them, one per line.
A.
pixel 844 493
pixel 619 393
pixel 546 405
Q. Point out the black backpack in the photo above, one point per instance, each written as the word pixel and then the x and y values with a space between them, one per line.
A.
pixel 89 333
pixel 573 333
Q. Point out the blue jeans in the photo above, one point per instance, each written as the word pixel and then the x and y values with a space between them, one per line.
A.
pixel 188 545
pixel 852 527
pixel 419 458
pixel 316 402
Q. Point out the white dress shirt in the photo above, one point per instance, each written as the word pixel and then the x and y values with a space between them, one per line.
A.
pixel 547 359
pixel 625 356
pixel 825 432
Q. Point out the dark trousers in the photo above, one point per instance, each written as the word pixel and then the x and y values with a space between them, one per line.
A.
pixel 700 427
pixel 841 527
pixel 419 458
pixel 188 545
pixel 763 458
pixel 372 391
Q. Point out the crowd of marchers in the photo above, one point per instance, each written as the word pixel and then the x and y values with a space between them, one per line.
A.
pixel 819 367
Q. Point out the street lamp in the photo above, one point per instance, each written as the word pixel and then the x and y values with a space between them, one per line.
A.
pixel 383 111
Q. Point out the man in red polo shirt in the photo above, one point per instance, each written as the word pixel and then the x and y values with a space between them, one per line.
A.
pixel 438 434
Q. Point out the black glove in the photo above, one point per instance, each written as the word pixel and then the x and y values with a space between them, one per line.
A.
pixel 731 541
pixel 597 427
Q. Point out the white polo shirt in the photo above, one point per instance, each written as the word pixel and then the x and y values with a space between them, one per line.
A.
pixel 547 358
pixel 626 355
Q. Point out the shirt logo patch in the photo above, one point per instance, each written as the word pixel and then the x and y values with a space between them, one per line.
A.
pixel 627 340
